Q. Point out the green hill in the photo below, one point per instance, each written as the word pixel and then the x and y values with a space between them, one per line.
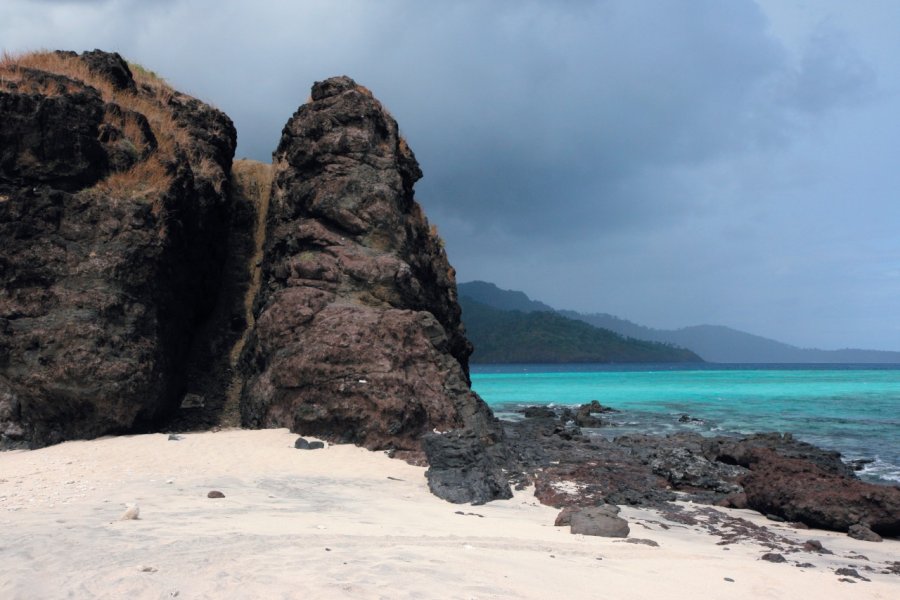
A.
pixel 490 295
pixel 509 336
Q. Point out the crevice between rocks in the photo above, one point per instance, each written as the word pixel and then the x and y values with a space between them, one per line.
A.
pixel 213 389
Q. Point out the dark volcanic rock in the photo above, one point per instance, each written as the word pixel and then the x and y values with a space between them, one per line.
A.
pixel 50 140
pixel 799 490
pixel 741 451
pixel 538 412
pixel 773 557
pixel 816 546
pixel 861 532
pixel 112 204
pixel 805 484
pixel 358 335
pixel 305 444
pixel 573 470
pixel 848 572
pixel 598 520
pixel 586 416
pixel 860 463
pixel 110 66
pixel 463 469
pixel 683 461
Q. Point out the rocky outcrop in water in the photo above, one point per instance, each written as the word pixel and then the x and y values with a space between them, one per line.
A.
pixel 357 336
pixel 113 195
pixel 772 473
pixel 799 490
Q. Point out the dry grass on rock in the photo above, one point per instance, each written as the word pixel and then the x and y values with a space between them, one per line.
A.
pixel 150 176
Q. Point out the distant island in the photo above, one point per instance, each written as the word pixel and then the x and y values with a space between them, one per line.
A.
pixel 515 336
pixel 712 343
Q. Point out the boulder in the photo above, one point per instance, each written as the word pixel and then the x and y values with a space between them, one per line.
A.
pixel 586 415
pixel 601 521
pixel 862 532
pixel 304 444
pixel 465 469
pixel 681 459
pixel 538 412
pixel 111 67
pixel 773 557
pixel 113 205
pixel 799 490
pixel 358 335
pixel 741 451
pixel 564 518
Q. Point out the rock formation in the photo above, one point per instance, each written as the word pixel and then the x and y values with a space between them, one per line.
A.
pixel 772 473
pixel 799 490
pixel 358 336
pixel 133 277
pixel 126 255
pixel 113 194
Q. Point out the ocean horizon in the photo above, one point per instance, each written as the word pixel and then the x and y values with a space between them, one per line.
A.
pixel 851 408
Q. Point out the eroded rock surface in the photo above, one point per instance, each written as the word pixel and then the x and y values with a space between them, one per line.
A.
pixel 112 199
pixel 772 473
pixel 463 469
pixel 799 490
pixel 358 336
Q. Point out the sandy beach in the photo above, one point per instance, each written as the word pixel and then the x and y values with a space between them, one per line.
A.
pixel 343 522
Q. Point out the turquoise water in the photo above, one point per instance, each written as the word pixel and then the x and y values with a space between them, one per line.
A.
pixel 854 409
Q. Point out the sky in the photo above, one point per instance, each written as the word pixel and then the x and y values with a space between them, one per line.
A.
pixel 673 163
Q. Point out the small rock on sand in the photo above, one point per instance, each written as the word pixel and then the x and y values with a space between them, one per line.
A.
pixel 600 521
pixel 861 532
pixel 773 557
pixel 642 541
pixel 131 513
pixel 816 546
pixel 304 444
pixel 847 572
pixel 215 494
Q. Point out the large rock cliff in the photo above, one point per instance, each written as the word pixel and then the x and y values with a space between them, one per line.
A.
pixel 127 260
pixel 358 335
pixel 113 200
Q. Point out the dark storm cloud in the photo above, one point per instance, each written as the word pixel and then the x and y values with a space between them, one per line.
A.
pixel 672 162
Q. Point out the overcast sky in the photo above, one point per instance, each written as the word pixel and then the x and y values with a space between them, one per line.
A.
pixel 670 162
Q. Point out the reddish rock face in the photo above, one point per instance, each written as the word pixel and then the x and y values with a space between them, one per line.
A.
pixel 799 490
pixel 358 335
pixel 112 200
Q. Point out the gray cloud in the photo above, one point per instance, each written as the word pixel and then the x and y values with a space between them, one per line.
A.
pixel 670 162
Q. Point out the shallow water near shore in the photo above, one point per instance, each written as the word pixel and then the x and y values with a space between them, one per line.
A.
pixel 854 409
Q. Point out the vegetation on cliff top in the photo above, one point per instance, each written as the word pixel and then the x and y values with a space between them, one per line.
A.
pixel 148 102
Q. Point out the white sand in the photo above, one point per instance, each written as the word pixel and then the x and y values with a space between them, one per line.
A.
pixel 333 524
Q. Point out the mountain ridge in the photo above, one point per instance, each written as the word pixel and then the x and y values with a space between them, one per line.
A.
pixel 515 336
pixel 713 343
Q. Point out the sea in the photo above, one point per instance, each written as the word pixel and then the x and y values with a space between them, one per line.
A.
pixel 854 409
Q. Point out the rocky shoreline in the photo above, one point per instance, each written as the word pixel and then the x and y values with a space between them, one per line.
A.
pixel 772 473
pixel 573 469
pixel 146 276
pixel 244 513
